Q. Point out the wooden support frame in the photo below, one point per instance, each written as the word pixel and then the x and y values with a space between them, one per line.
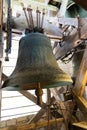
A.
pixel 1 12
pixel 33 126
pixel 0 86
pixel 0 73
pixel 33 99
pixel 1 50
pixel 1 45
pixel 43 106
pixel 1 22
pixel 61 105
pixel 80 83
pixel 73 40
pixel 0 102
pixel 80 125
pixel 81 78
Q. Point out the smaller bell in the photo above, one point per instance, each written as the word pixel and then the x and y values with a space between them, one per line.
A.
pixel 74 10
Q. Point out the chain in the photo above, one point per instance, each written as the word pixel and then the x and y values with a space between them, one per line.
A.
pixel 9 30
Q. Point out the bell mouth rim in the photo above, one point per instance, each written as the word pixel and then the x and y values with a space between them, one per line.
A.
pixel 33 86
pixel 70 5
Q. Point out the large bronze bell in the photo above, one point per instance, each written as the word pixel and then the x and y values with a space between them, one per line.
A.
pixel 36 65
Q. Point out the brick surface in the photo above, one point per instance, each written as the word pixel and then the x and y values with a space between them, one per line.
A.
pixel 21 120
pixel 2 124
pixel 11 122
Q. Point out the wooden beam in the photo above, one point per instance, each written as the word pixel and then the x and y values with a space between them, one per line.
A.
pixel 1 17
pixel 80 84
pixel 0 102
pixel 0 73
pixel 80 125
pixel 4 77
pixel 48 112
pixel 41 112
pixel 34 99
pixel 73 40
pixel 16 32
pixel 38 116
pixel 1 12
pixel 56 94
pixel 82 104
pixel 33 126
pixel 30 97
pixel 1 51
pixel 81 78
pixel 61 106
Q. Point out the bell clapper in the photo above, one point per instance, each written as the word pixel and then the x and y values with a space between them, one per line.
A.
pixel 6 58
pixel 39 93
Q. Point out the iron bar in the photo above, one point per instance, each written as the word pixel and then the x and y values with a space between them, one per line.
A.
pixel 24 9
pixel 9 31
pixel 42 18
pixel 31 26
pixel 37 11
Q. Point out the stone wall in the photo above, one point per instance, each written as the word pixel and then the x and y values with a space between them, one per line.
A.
pixel 15 121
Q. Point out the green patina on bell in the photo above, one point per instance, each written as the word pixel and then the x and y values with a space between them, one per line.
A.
pixel 73 10
pixel 36 64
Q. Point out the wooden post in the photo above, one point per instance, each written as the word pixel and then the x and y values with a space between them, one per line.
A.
pixel 0 86
pixel 1 45
pixel 1 49
pixel 1 12
pixel 0 72
pixel 0 103
pixel 61 105
pixel 48 108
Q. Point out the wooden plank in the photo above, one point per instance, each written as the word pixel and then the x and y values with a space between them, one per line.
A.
pixel 82 124
pixel 33 126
